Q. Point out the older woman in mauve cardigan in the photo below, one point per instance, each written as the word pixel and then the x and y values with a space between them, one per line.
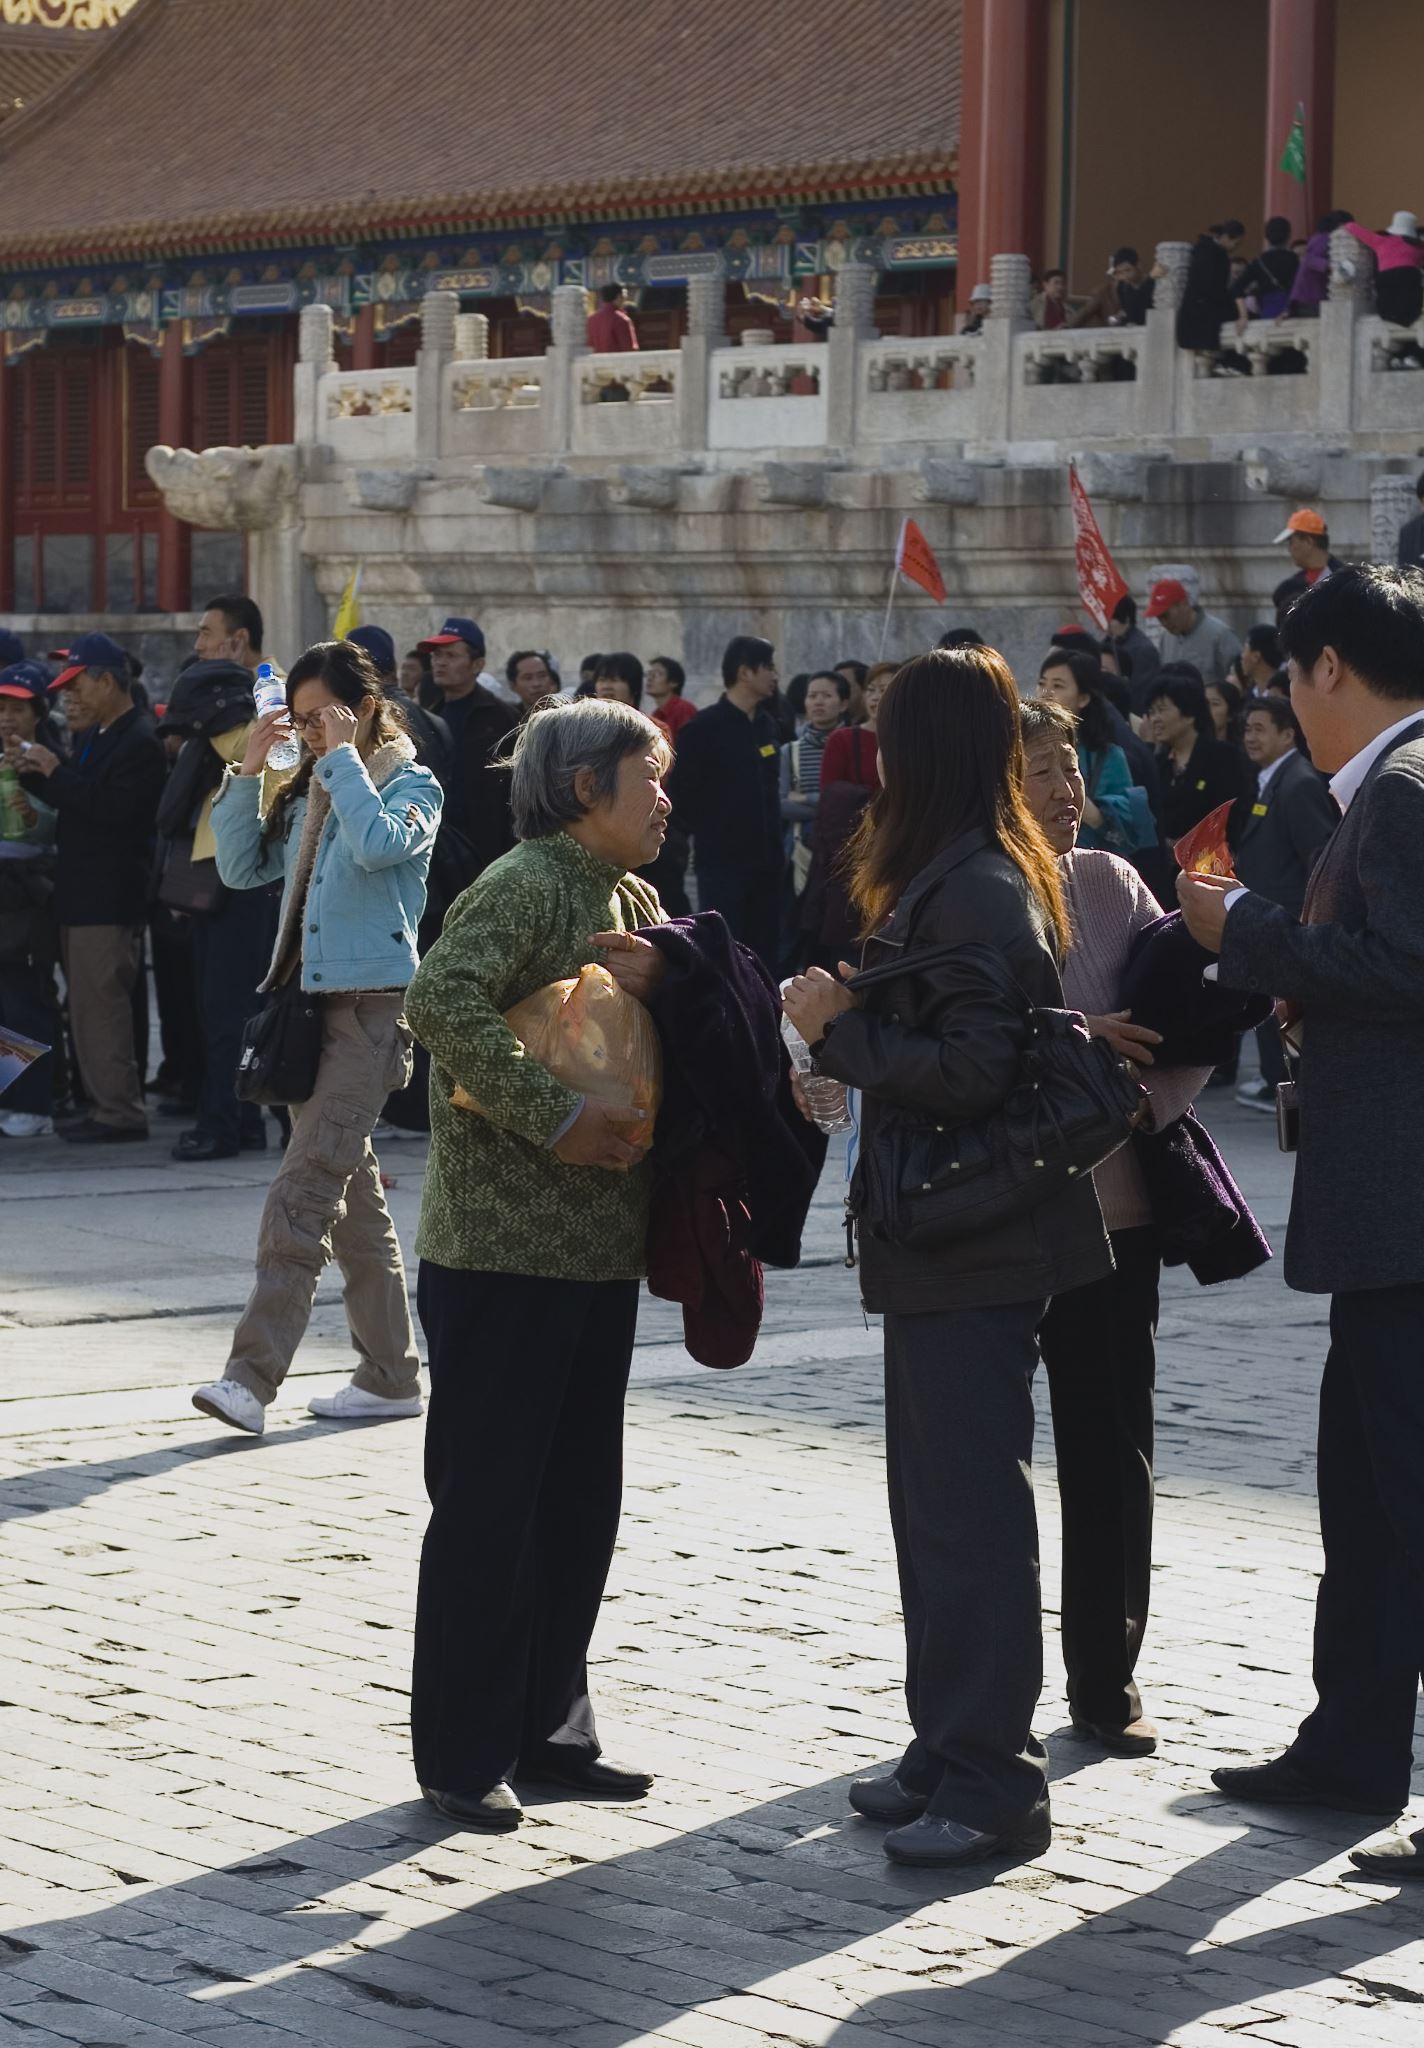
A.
pixel 1098 1341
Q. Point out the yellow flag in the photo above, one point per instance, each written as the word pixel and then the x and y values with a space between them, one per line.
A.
pixel 348 612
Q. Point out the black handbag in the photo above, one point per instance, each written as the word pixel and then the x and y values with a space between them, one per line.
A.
pixel 924 1185
pixel 185 884
pixel 281 1047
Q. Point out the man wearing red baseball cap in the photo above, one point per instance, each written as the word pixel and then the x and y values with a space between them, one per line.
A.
pixel 106 800
pixel 1308 539
pixel 1189 633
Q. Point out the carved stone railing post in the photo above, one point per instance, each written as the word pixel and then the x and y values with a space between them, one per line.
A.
pixel 1162 365
pixel 315 357
pixel 1010 279
pixel 1392 501
pixel 854 324
pixel 471 337
pixel 706 331
pixel 1351 299
pixel 568 341
pixel 438 313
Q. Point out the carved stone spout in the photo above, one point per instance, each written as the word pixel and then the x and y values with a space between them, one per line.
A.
pixel 239 490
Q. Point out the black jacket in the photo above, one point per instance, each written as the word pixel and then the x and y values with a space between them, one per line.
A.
pixel 1285 594
pixel 1215 774
pixel 107 800
pixel 932 1045
pixel 477 800
pixel 1206 296
pixel 1282 834
pixel 725 788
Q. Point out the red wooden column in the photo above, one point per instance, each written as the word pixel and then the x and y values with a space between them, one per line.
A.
pixel 1300 54
pixel 7 489
pixel 1001 138
pixel 363 339
pixel 175 427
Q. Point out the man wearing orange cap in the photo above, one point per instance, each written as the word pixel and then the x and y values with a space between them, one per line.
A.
pixel 1189 633
pixel 1306 535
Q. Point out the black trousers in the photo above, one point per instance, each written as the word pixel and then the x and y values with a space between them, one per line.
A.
pixel 524 1468
pixel 959 1459
pixel 1099 1349
pixel 1369 1612
pixel 29 1004
pixel 175 984
pixel 750 901
pixel 232 948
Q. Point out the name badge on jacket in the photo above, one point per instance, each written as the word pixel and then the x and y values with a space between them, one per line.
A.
pixel 767 753
pixel 1259 810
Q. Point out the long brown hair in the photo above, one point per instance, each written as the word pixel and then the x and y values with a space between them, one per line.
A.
pixel 350 675
pixel 949 737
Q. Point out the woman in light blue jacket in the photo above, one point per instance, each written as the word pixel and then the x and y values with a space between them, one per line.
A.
pixel 350 836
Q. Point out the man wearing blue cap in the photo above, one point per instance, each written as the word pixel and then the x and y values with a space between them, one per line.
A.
pixel 477 802
pixel 105 801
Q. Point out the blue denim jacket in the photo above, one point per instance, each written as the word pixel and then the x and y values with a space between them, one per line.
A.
pixel 368 867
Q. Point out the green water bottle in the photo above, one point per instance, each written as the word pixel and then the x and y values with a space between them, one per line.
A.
pixel 14 810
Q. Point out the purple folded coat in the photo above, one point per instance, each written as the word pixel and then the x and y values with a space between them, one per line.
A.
pixel 1162 985
pixel 1199 1213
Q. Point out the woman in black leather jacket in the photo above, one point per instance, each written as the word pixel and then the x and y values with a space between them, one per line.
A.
pixel 949 854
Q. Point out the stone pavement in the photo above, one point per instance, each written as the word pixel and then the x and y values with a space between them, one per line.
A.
pixel 208 1829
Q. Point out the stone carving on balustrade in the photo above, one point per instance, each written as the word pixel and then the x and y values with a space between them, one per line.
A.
pixel 1392 501
pixel 707 308
pixel 1352 270
pixel 315 338
pixel 605 384
pixel 1112 476
pixel 1291 467
pixel 569 322
pixel 359 401
pixel 1091 355
pixel 939 369
pixel 649 487
pixel 496 391
pixel 519 489
pixel 1170 271
pixel 386 490
pixel 1011 283
pixel 855 298
pixel 239 490
pixel 793 483
pixel 798 378
pixel 438 313
pixel 471 337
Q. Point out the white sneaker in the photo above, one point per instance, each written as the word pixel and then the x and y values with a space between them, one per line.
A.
pixel 16 1123
pixel 383 1133
pixel 233 1403
pixel 353 1404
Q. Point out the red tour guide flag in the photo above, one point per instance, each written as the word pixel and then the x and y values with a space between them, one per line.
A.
pixel 1099 584
pixel 914 557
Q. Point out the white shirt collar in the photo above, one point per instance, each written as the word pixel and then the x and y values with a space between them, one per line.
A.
pixel 1264 775
pixel 1345 783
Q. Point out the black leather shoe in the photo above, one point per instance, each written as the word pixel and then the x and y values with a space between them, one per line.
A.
pixel 887 1799
pixel 587 1774
pixel 932 1844
pixel 1138 1738
pixel 494 1812
pixel 1282 1783
pixel 91 1132
pixel 255 1140
pixel 1400 1860
pixel 193 1145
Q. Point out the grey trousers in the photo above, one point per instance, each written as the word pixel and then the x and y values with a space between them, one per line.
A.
pixel 959 1457
pixel 326 1202
pixel 101 966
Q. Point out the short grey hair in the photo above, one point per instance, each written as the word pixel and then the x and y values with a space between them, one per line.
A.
pixel 559 742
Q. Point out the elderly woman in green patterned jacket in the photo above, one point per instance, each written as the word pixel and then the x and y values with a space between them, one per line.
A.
pixel 531 1246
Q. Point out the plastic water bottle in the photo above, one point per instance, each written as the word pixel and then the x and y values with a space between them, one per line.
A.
pixel 825 1098
pixel 14 810
pixel 271 694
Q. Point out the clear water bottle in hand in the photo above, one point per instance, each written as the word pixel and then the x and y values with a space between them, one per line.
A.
pixel 825 1098
pixel 271 694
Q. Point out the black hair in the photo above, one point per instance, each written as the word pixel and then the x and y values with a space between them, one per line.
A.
pixel 1055 272
pixel 1094 725
pixel 1125 611
pixel 590 661
pixel 1233 230
pixel 859 671
pixel 1265 641
pixel 239 613
pixel 961 636
pixel 1279 710
pixel 673 670
pixel 1126 254
pixel 1073 640
pixel 840 683
pixel 1234 697
pixel 795 693
pixel 1123 671
pixel 1338 217
pixel 511 667
pixel 1278 231
pixel 745 651
pixel 611 294
pixel 622 668
pixel 1373 618
pixel 1180 682
pixel 1115 689
pixel 351 676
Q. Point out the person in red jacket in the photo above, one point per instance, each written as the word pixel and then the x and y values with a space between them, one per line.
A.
pixel 610 326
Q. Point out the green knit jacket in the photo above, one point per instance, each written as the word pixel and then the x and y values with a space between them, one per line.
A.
pixel 496 1198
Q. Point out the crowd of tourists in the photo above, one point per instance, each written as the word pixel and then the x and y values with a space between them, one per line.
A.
pixel 944 868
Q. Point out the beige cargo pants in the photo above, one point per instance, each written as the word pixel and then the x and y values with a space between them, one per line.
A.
pixel 327 1202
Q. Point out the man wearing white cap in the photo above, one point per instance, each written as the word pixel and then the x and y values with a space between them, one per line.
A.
pixel 1399 287
pixel 980 300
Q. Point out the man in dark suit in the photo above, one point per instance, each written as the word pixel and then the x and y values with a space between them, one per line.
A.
pixel 1353 973
pixel 1281 830
pixel 1411 534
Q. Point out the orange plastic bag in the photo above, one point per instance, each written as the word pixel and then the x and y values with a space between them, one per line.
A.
pixel 595 1038
pixel 1203 850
